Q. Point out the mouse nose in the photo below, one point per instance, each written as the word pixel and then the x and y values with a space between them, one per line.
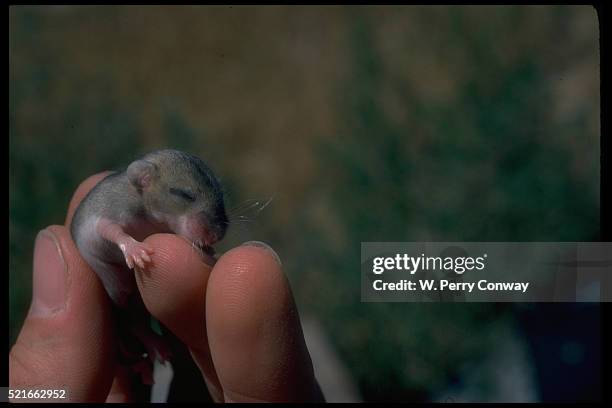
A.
pixel 214 228
pixel 209 229
pixel 201 228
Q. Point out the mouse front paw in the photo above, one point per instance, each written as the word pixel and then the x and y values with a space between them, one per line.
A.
pixel 136 253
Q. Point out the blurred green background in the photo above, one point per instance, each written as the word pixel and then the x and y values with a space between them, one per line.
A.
pixel 444 123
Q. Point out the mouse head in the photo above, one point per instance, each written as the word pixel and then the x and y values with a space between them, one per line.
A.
pixel 181 191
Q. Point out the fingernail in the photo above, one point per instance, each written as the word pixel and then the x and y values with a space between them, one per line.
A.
pixel 50 280
pixel 263 245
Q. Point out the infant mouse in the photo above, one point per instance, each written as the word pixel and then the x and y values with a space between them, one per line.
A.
pixel 164 191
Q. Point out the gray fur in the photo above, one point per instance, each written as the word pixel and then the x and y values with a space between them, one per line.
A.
pixel 120 200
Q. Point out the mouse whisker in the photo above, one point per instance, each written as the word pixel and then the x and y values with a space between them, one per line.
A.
pixel 264 205
pixel 245 206
pixel 251 204
pixel 239 219
pixel 199 247
pixel 242 217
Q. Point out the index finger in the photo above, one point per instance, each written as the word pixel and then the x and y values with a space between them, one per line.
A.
pixel 80 193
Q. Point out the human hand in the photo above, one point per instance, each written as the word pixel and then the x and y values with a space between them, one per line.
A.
pixel 238 318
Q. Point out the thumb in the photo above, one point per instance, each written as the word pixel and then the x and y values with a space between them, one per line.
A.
pixel 66 340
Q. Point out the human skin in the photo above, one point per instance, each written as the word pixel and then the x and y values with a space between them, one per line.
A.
pixel 237 317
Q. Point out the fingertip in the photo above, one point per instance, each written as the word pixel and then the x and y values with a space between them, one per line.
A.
pixel 253 326
pixel 247 283
pixel 71 347
pixel 173 287
pixel 269 250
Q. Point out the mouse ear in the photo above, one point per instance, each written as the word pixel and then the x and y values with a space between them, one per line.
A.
pixel 141 173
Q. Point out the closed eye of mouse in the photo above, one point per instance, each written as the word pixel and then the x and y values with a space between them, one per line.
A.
pixel 184 194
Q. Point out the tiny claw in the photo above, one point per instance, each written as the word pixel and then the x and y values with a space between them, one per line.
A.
pixel 139 262
pixel 145 256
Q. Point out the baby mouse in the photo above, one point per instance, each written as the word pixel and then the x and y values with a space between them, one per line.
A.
pixel 164 191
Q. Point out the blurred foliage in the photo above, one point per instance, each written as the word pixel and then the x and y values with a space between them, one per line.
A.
pixel 485 167
pixel 363 123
